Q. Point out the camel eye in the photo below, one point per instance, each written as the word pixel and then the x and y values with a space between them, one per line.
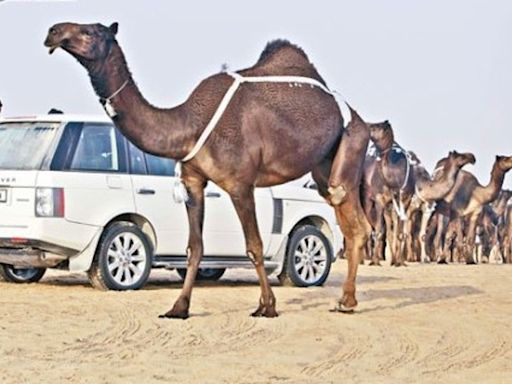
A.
pixel 86 32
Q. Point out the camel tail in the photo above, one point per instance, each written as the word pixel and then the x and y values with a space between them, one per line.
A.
pixel 347 167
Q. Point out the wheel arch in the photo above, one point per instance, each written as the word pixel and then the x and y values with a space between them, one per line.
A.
pixel 316 221
pixel 140 221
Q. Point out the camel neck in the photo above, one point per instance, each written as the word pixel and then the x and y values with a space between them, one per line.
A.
pixel 158 131
pixel 384 144
pixel 440 186
pixel 491 190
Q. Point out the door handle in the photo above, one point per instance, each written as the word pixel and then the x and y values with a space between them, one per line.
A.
pixel 212 194
pixel 145 191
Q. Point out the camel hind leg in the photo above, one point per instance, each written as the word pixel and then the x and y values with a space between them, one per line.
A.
pixel 342 191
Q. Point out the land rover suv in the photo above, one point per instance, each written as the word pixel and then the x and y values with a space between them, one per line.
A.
pixel 76 195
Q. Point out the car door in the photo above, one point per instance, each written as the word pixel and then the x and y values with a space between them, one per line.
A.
pixel 223 232
pixel 153 180
pixel 90 164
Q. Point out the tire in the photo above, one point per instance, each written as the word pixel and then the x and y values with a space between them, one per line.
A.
pixel 204 274
pixel 20 275
pixel 308 258
pixel 123 259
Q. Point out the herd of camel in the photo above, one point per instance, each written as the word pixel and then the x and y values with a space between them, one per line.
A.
pixel 277 122
pixel 444 216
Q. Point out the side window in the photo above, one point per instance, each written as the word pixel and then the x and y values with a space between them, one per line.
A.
pixel 159 166
pixel 98 150
pixel 137 163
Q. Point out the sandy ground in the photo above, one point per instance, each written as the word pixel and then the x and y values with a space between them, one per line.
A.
pixel 420 324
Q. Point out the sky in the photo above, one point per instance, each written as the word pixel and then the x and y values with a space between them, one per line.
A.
pixel 439 71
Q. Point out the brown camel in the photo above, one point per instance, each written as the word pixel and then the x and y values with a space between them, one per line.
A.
pixel 428 190
pixel 507 235
pixel 466 200
pixel 387 189
pixel 269 133
pixel 498 208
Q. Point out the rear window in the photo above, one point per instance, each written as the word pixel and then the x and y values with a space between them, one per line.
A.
pixel 25 145
pixel 97 149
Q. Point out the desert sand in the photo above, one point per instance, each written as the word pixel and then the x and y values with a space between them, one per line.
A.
pixel 419 324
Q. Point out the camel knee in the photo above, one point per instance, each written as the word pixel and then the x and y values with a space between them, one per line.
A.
pixel 336 194
pixel 194 256
pixel 256 258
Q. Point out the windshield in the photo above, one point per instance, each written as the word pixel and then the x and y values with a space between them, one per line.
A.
pixel 24 145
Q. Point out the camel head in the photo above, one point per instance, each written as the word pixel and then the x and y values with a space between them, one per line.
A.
pixel 504 163
pixel 88 43
pixel 461 159
pixel 382 134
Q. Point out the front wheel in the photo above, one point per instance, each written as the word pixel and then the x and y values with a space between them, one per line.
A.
pixel 308 258
pixel 123 259
pixel 12 274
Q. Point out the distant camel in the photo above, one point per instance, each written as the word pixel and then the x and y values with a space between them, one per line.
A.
pixel 466 200
pixel 269 133
pixel 491 226
pixel 506 235
pixel 427 191
pixel 387 189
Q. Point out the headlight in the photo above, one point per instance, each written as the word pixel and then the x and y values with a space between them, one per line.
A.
pixel 50 202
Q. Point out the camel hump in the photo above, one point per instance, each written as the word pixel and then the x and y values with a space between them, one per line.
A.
pixel 281 58
pixel 284 47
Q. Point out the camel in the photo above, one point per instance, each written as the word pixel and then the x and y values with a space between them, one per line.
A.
pixel 497 211
pixel 506 236
pixel 427 191
pixel 269 133
pixel 387 189
pixel 466 200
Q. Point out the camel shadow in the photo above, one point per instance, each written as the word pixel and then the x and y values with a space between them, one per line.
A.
pixel 415 296
pixel 156 283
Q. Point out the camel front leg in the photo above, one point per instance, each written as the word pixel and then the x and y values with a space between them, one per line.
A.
pixel 243 200
pixel 425 217
pixel 380 231
pixel 195 212
pixel 470 239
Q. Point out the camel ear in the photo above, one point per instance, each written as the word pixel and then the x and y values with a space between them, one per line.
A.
pixel 114 28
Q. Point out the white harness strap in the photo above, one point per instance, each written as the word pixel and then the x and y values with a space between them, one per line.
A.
pixel 180 192
pixel 238 79
pixel 399 207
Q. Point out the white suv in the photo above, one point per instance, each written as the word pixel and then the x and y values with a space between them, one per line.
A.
pixel 76 195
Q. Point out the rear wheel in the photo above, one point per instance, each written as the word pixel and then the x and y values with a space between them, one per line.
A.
pixel 204 274
pixel 123 259
pixel 12 274
pixel 308 258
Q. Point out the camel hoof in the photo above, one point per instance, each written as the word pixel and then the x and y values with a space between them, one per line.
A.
pixel 174 315
pixel 340 307
pixel 263 311
pixel 375 264
pixel 442 262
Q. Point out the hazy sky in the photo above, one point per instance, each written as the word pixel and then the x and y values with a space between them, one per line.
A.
pixel 440 71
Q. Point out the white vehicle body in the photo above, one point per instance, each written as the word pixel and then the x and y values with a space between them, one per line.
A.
pixel 105 179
